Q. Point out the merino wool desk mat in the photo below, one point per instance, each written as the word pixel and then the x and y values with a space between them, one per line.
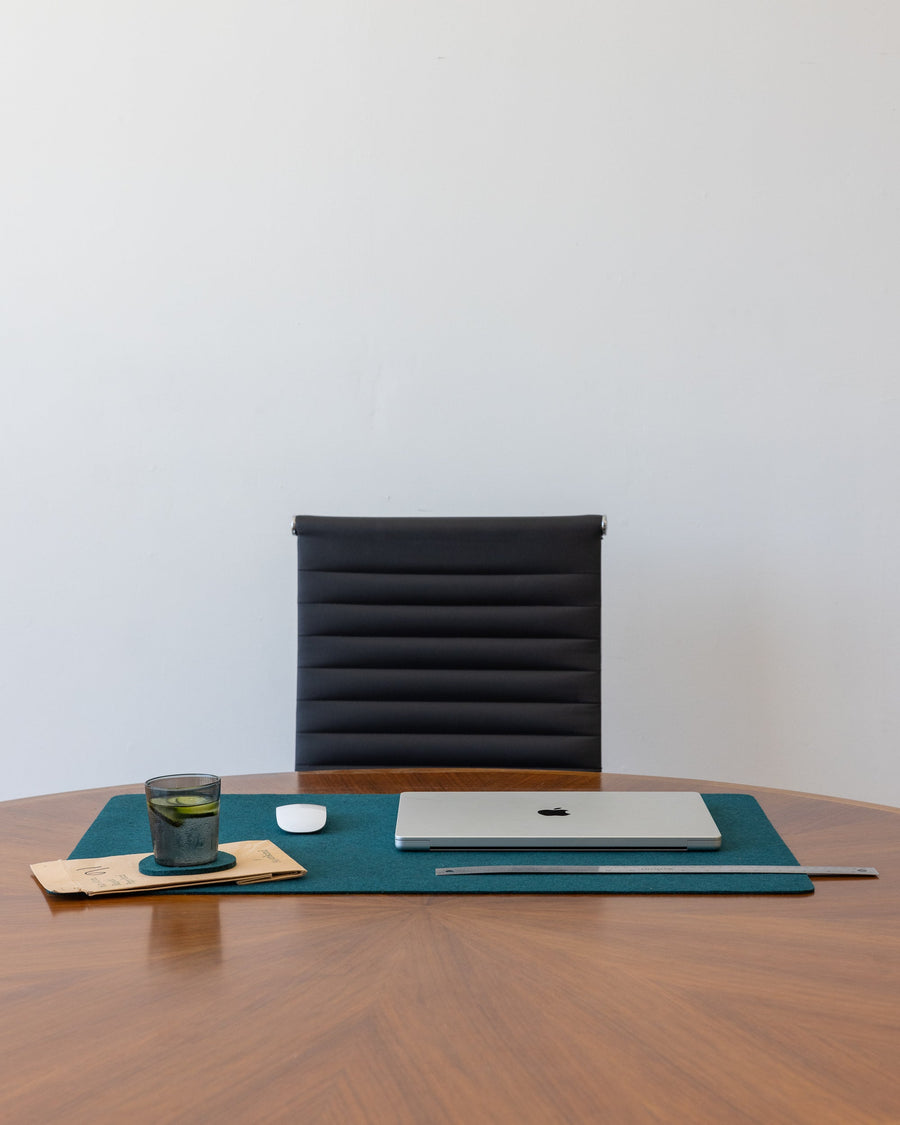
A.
pixel 355 853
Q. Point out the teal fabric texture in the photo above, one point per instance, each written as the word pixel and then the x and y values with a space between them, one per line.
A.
pixel 355 854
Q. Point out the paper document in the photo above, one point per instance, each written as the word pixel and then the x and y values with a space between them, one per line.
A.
pixel 257 860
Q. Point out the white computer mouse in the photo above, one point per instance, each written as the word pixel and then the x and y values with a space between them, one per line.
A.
pixel 301 818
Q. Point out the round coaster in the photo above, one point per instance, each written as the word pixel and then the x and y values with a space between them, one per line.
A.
pixel 149 866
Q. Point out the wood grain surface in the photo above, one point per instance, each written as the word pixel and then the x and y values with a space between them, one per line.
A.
pixel 419 1009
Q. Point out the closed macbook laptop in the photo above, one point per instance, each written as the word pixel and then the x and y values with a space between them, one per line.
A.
pixel 564 821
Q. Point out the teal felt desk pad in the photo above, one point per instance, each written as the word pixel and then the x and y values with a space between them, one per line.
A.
pixel 355 853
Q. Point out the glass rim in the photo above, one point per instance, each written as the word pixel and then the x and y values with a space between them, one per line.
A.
pixel 182 780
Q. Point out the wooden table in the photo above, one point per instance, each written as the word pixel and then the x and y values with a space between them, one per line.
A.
pixel 455 1008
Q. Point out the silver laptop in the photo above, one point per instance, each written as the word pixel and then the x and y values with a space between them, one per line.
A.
pixel 555 821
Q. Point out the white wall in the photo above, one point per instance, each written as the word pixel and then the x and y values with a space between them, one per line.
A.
pixel 427 257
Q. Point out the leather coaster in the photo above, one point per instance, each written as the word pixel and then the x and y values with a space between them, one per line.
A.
pixel 149 866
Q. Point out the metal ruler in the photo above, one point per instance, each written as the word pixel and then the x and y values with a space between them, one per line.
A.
pixel 625 869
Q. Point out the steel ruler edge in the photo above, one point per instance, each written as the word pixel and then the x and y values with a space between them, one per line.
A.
pixel 625 869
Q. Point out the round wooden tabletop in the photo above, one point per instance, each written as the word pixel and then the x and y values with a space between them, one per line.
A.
pixel 429 1009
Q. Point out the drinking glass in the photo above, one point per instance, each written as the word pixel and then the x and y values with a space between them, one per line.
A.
pixel 184 818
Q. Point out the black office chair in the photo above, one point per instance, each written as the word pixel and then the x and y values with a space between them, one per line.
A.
pixel 448 642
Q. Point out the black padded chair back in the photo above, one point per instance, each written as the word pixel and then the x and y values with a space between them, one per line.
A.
pixel 449 642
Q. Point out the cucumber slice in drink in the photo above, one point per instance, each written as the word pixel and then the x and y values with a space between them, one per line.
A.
pixel 175 809
pixel 160 807
pixel 197 806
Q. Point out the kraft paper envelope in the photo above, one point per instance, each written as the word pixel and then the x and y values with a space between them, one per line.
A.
pixel 257 861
